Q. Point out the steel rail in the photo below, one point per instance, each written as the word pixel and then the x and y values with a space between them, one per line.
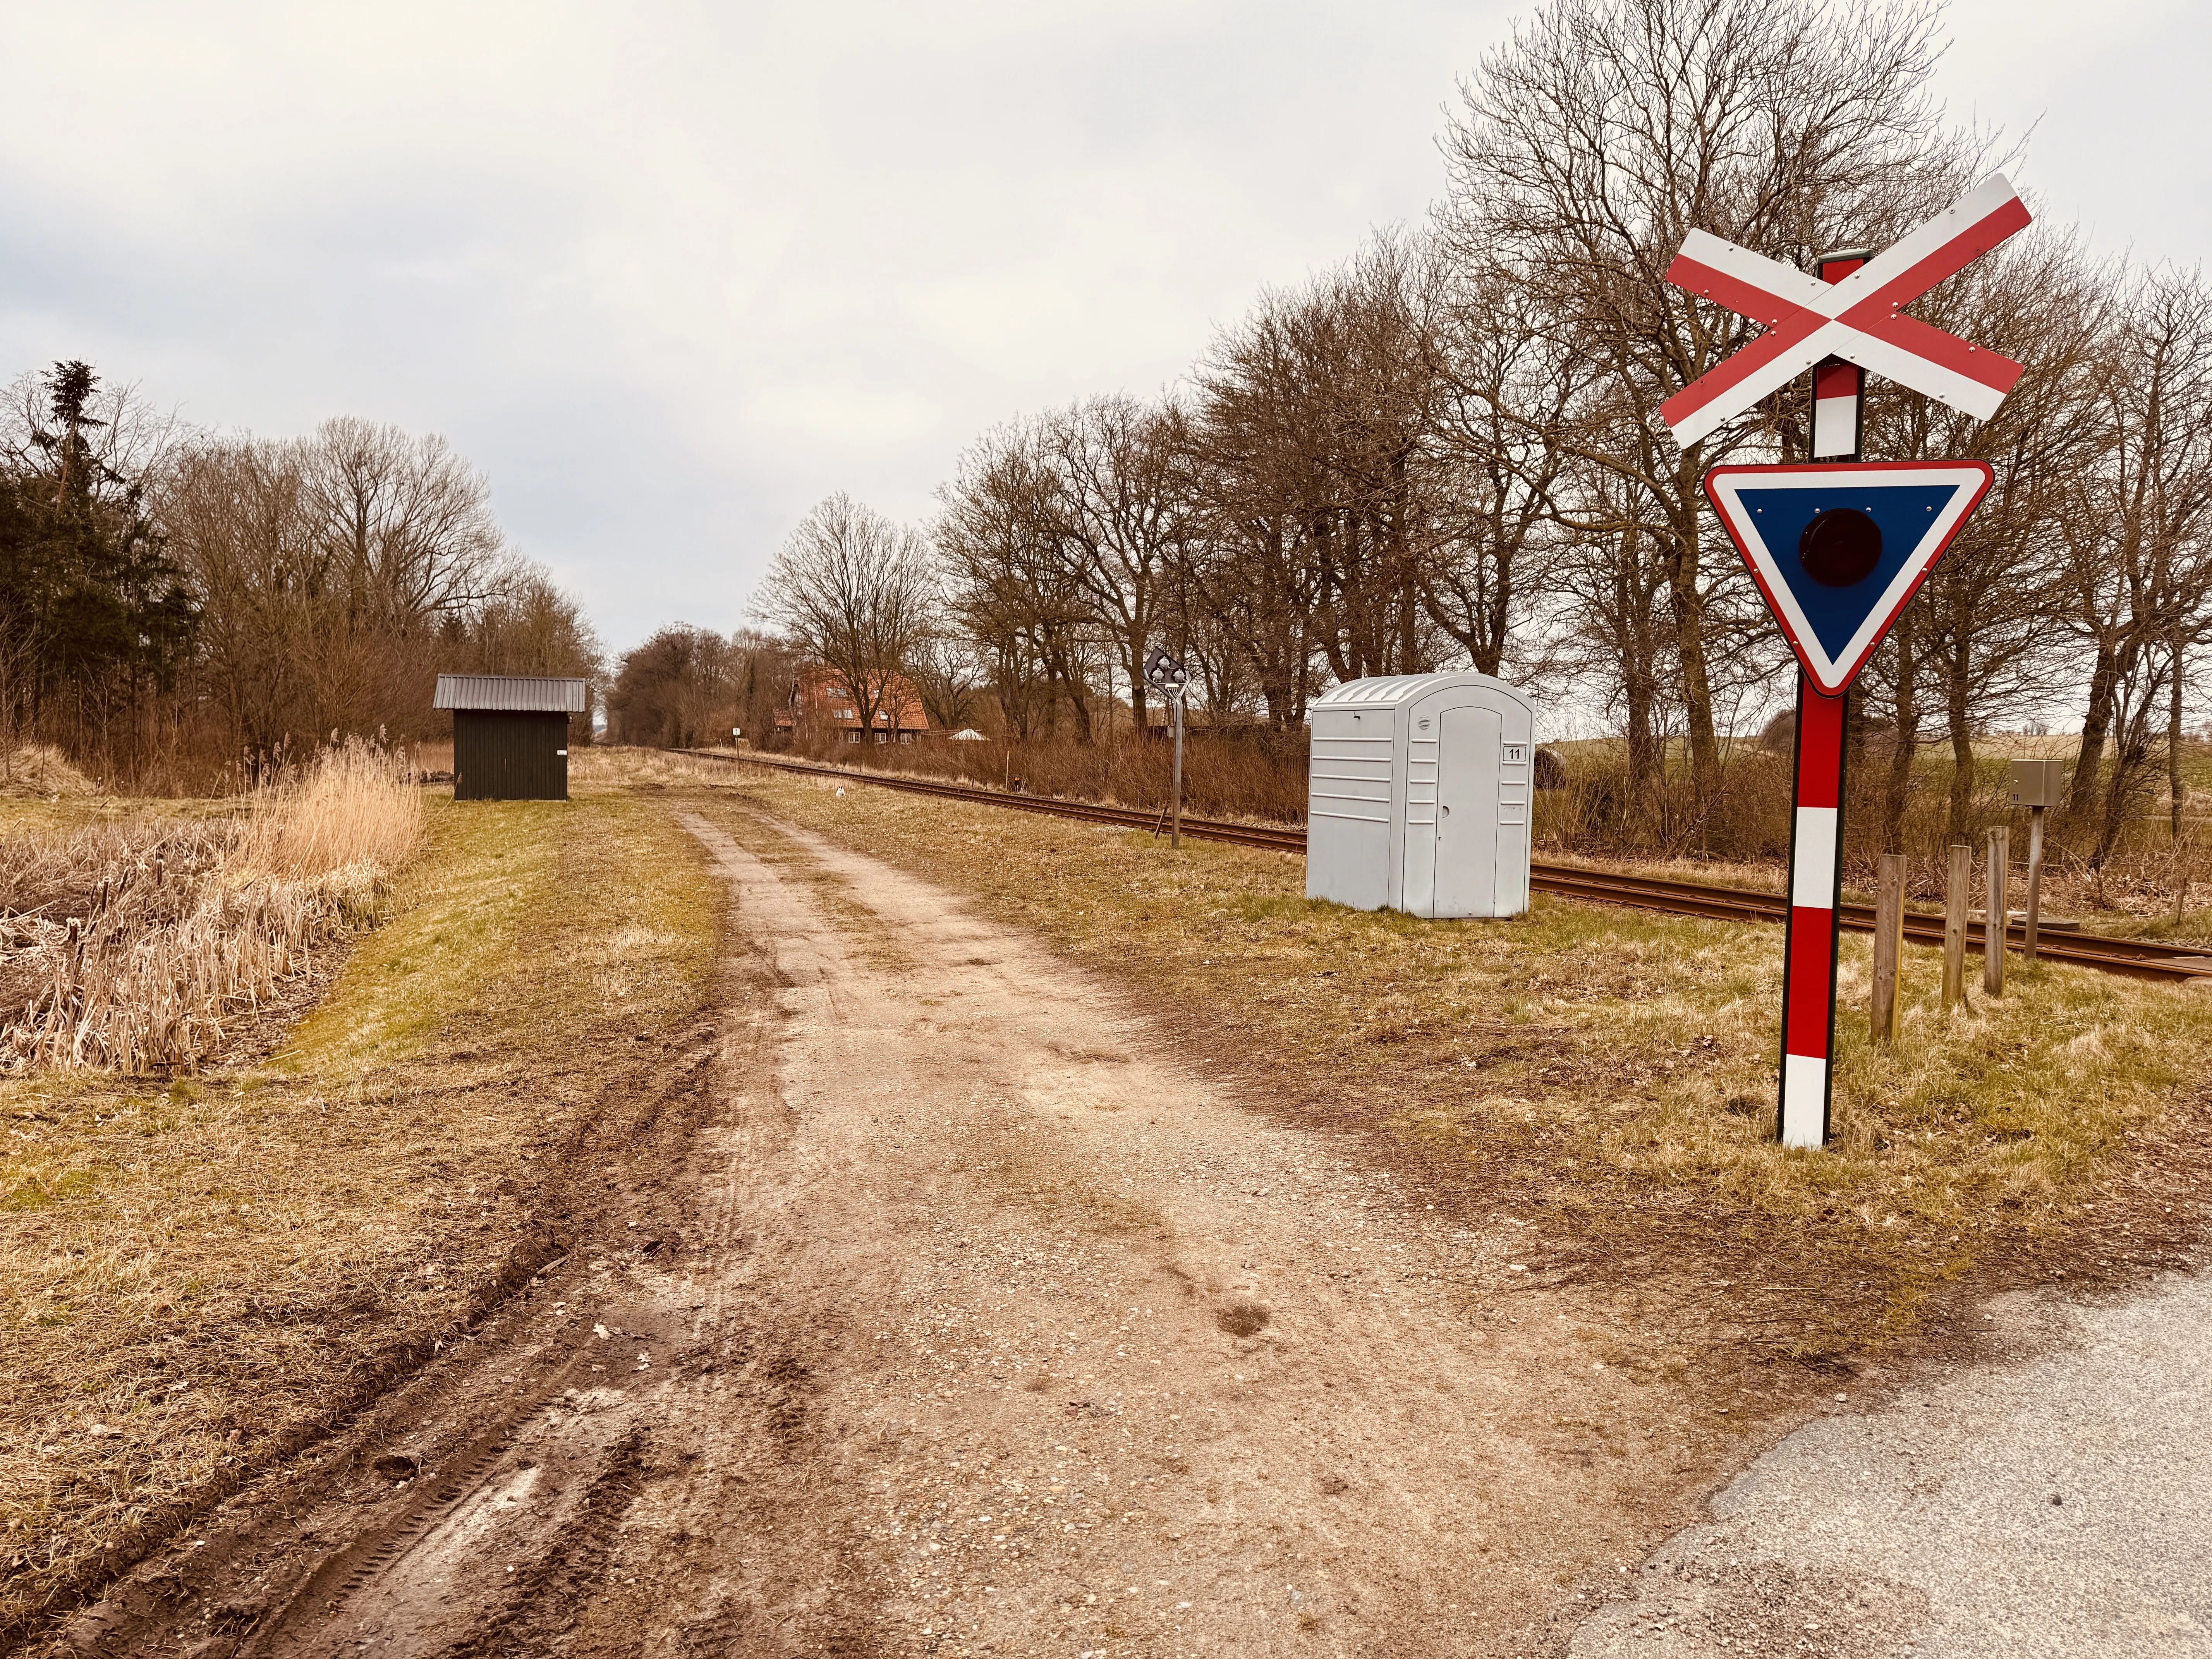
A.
pixel 2141 958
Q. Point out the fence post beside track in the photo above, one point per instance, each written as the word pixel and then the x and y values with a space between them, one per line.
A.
pixel 1888 944
pixel 1995 869
pixel 1175 833
pixel 1957 889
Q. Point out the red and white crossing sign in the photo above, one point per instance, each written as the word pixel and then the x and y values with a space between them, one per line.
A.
pixel 1860 319
pixel 1838 550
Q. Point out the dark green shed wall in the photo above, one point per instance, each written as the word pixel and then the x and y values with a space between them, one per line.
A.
pixel 501 756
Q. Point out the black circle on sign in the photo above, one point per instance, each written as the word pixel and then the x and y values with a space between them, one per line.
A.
pixel 1841 546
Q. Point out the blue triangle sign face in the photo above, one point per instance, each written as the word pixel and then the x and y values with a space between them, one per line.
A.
pixel 1839 549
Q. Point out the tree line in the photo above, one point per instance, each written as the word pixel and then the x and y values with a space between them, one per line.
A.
pixel 1446 451
pixel 175 603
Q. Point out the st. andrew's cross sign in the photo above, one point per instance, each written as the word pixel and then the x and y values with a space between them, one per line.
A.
pixel 1856 314
pixel 1838 546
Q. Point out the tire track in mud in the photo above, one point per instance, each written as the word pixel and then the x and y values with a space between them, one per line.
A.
pixel 567 1529
pixel 653 1356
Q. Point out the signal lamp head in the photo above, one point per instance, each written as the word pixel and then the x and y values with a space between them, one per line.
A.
pixel 1840 548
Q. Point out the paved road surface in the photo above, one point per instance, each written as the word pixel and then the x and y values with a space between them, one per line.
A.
pixel 2057 1505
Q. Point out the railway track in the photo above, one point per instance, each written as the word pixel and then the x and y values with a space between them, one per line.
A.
pixel 2140 958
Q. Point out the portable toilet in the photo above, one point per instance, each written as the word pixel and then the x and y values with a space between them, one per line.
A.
pixel 1418 795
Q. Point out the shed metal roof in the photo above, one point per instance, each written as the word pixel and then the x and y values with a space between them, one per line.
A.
pixel 519 694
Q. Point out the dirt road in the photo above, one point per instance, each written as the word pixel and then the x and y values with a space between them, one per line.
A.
pixel 980 1318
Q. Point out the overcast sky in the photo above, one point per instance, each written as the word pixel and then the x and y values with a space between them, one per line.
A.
pixel 671 273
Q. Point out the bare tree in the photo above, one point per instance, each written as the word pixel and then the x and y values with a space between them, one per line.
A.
pixel 404 522
pixel 1589 145
pixel 764 667
pixel 948 675
pixel 337 575
pixel 1982 638
pixel 1314 432
pixel 853 591
pixel 676 690
pixel 1118 510
pixel 2139 543
pixel 1014 588
pixel 1508 388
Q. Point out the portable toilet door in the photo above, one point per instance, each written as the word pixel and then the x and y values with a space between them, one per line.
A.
pixel 1469 741
pixel 1469 744
pixel 1479 865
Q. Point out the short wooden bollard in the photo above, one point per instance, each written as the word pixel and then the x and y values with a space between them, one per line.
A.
pixel 1888 943
pixel 1958 892
pixel 1995 869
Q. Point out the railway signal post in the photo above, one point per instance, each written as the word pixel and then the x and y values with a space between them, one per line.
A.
pixel 1837 546
pixel 1171 679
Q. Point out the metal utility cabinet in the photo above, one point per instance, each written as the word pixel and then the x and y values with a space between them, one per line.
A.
pixel 1418 795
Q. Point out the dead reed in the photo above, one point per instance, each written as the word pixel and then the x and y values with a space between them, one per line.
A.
pixel 41 769
pixel 135 946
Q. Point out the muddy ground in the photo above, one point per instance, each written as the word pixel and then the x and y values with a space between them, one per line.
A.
pixel 980 1314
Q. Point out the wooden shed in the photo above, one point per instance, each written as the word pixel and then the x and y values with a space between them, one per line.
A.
pixel 510 734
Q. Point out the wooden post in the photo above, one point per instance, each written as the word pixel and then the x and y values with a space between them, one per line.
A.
pixel 1888 943
pixel 1995 868
pixel 2034 881
pixel 1958 888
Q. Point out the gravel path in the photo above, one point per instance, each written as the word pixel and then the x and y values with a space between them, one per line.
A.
pixel 1137 1372
pixel 2054 1503
pixel 982 1315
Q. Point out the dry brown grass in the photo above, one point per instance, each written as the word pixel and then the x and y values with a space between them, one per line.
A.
pixel 1609 1075
pixel 140 946
pixel 348 818
pixel 602 767
pixel 195 1278
pixel 42 771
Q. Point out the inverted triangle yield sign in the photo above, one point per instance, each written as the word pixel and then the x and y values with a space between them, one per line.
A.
pixel 1839 549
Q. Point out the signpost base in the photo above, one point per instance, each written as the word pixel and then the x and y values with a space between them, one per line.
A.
pixel 1808 963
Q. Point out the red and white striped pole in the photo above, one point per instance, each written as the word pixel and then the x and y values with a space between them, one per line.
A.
pixel 1838 387
pixel 1808 958
pixel 1808 963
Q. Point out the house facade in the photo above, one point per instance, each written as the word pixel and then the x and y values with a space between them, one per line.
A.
pixel 821 698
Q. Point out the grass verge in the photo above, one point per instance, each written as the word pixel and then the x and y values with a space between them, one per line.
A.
pixel 200 1278
pixel 1609 1075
